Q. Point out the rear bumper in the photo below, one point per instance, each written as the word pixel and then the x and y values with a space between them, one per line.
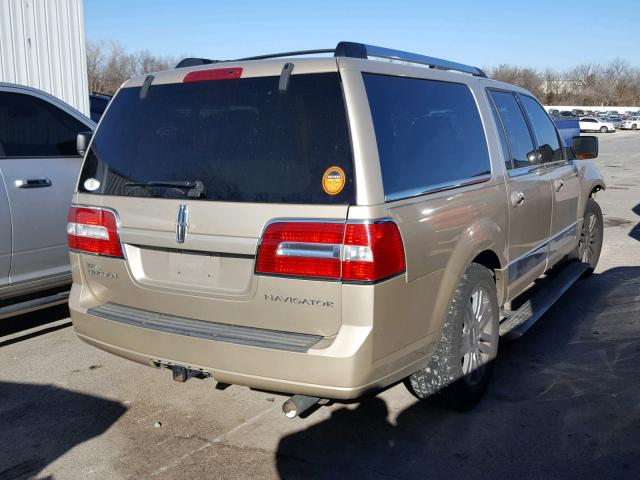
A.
pixel 341 367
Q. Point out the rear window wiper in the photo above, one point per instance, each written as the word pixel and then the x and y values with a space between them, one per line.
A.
pixel 194 188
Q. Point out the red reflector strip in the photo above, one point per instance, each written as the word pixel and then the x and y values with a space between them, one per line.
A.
pixel 360 252
pixel 93 230
pixel 212 74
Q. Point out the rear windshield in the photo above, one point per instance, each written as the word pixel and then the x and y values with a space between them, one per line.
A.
pixel 231 140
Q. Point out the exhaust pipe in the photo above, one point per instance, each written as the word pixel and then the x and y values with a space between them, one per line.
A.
pixel 297 405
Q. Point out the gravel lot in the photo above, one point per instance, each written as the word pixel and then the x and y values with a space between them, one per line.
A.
pixel 564 402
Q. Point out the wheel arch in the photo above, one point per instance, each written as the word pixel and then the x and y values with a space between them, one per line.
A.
pixel 592 182
pixel 482 242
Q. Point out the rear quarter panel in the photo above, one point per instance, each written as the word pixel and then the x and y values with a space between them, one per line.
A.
pixel 442 232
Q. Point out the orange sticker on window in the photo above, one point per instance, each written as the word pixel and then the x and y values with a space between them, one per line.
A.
pixel 333 180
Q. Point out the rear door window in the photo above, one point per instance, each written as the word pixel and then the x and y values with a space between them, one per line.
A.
pixel 428 132
pixel 521 146
pixel 32 127
pixel 232 140
pixel 546 134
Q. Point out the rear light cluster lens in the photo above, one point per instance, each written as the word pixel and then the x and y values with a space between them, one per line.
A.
pixel 93 230
pixel 372 251
pixel 361 252
pixel 212 74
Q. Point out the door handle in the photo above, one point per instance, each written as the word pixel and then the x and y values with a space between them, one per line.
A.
pixel 517 198
pixel 33 183
pixel 559 185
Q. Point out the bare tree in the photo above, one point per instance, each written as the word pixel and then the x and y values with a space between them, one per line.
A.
pixel 617 83
pixel 95 66
pixel 524 77
pixel 109 65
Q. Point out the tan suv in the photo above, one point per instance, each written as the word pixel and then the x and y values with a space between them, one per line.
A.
pixel 327 226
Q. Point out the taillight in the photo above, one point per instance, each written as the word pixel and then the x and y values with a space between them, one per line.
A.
pixel 372 251
pixel 359 252
pixel 212 74
pixel 93 230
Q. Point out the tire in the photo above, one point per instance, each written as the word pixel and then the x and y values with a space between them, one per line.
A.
pixel 590 242
pixel 604 129
pixel 634 127
pixel 451 379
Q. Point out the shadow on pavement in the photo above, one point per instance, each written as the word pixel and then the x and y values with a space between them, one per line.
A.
pixel 39 423
pixel 563 404
pixel 635 231
pixel 36 323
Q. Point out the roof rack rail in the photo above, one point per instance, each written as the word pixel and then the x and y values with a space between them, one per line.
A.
pixel 360 50
pixel 296 53
pixel 193 62
pixel 355 50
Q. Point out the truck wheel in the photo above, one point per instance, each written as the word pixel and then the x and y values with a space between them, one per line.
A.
pixel 590 242
pixel 460 368
pixel 604 129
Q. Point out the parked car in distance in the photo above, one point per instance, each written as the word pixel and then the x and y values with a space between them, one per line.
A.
pixel 554 112
pixel 616 120
pixel 223 226
pixel 98 103
pixel 566 113
pixel 632 123
pixel 592 124
pixel 39 166
pixel 578 112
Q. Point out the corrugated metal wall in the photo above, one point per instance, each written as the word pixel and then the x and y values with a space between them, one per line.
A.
pixel 42 45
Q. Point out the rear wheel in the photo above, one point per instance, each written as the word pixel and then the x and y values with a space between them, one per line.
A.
pixel 460 368
pixel 634 126
pixel 603 130
pixel 590 242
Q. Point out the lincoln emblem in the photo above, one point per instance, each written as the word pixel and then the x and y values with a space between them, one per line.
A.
pixel 183 222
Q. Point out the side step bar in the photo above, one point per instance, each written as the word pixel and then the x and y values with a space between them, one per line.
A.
pixel 517 322
pixel 34 304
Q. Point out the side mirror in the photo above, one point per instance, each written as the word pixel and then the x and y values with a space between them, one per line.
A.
pixel 82 142
pixel 546 153
pixel 585 147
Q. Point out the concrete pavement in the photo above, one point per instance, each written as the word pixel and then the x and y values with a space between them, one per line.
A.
pixel 564 401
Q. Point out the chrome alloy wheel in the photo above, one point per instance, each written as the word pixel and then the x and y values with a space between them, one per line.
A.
pixel 589 238
pixel 479 337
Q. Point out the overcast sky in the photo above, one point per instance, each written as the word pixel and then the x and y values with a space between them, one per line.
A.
pixel 540 33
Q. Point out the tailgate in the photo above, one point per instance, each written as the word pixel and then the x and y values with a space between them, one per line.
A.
pixel 211 275
pixel 195 168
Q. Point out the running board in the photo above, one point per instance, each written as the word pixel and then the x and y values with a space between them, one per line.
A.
pixel 34 304
pixel 519 321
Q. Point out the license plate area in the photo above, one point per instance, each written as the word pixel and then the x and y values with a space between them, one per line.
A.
pixel 200 272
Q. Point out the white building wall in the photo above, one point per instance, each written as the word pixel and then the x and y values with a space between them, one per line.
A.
pixel 42 45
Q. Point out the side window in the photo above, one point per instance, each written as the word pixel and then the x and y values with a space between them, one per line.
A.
pixel 503 138
pixel 523 152
pixel 428 133
pixel 546 134
pixel 32 127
